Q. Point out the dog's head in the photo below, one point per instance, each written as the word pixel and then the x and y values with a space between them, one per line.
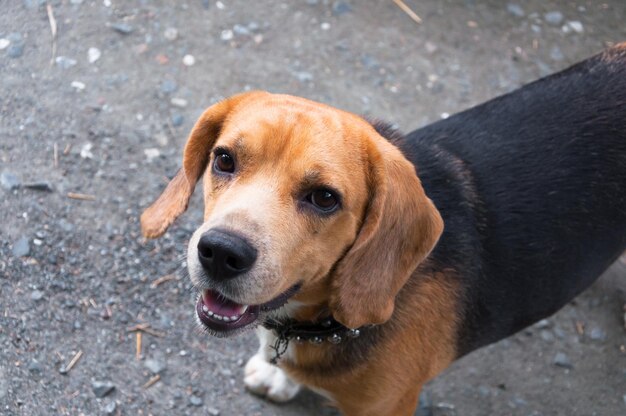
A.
pixel 302 201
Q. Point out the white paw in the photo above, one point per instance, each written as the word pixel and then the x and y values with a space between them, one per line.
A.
pixel 267 380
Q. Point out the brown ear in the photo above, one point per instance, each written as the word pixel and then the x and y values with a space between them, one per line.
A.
pixel 174 200
pixel 400 229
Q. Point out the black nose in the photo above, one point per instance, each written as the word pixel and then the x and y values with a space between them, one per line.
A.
pixel 225 255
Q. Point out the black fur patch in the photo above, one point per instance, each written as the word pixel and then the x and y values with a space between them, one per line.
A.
pixel 532 190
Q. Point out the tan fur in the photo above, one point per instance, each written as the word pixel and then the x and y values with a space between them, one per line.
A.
pixel 388 383
pixel 353 263
pixel 401 228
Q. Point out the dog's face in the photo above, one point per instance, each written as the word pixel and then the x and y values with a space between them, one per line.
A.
pixel 302 201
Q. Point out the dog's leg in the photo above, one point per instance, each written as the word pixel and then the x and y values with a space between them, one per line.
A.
pixel 265 379
pixel 394 403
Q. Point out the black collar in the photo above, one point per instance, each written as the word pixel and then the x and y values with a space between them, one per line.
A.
pixel 315 333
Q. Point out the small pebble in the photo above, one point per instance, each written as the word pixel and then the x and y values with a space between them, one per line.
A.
pixel 21 247
pixel 9 181
pixel 179 102
pixel 325 26
pixel 546 335
pixel 519 402
pixel 189 60
pixel 562 360
pixel 36 295
pixel 14 37
pixel 35 367
pixel 544 323
pixel 341 8
pixel 515 9
pixel 241 30
pixel 168 86
pixel 110 408
pixel 123 28
pixel 93 54
pixel 16 45
pixel 151 154
pixel 556 54
pixel 15 50
pixel 85 151
pixel 553 18
pixel 220 5
pixel 102 388
pixel 226 35
pixel 161 138
pixel 576 26
pixel 79 86
pixel 65 225
pixel 215 412
pixel 304 76
pixel 430 47
pixel 64 62
pixel 195 400
pixel 4 43
pixel 171 33
pixel 177 120
pixel 155 366
pixel 33 4
pixel 597 334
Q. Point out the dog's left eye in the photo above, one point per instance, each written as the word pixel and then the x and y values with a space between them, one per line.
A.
pixel 224 163
pixel 323 199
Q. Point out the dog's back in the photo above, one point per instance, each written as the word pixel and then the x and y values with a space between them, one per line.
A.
pixel 541 175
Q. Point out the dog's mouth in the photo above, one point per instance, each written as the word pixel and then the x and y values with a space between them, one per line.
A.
pixel 223 316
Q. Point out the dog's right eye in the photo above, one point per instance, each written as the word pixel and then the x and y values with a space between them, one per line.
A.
pixel 323 200
pixel 224 163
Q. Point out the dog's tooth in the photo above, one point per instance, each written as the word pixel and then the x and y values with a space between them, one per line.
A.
pixel 234 317
pixel 226 319
pixel 245 308
pixel 210 313
pixel 204 308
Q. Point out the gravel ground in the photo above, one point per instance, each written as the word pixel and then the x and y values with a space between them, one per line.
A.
pixel 103 110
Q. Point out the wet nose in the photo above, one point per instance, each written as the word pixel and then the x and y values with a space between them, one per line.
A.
pixel 225 255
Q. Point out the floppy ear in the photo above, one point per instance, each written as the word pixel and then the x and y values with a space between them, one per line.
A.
pixel 175 198
pixel 400 228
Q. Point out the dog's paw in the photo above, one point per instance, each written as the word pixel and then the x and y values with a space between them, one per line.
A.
pixel 267 380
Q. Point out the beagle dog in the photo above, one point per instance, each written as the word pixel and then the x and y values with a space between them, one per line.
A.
pixel 370 260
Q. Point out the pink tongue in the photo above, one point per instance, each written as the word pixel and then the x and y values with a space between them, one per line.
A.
pixel 220 305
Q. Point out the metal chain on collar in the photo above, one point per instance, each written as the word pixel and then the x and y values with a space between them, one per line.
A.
pixel 315 333
pixel 280 348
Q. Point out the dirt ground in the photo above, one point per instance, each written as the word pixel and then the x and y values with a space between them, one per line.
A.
pixel 102 110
